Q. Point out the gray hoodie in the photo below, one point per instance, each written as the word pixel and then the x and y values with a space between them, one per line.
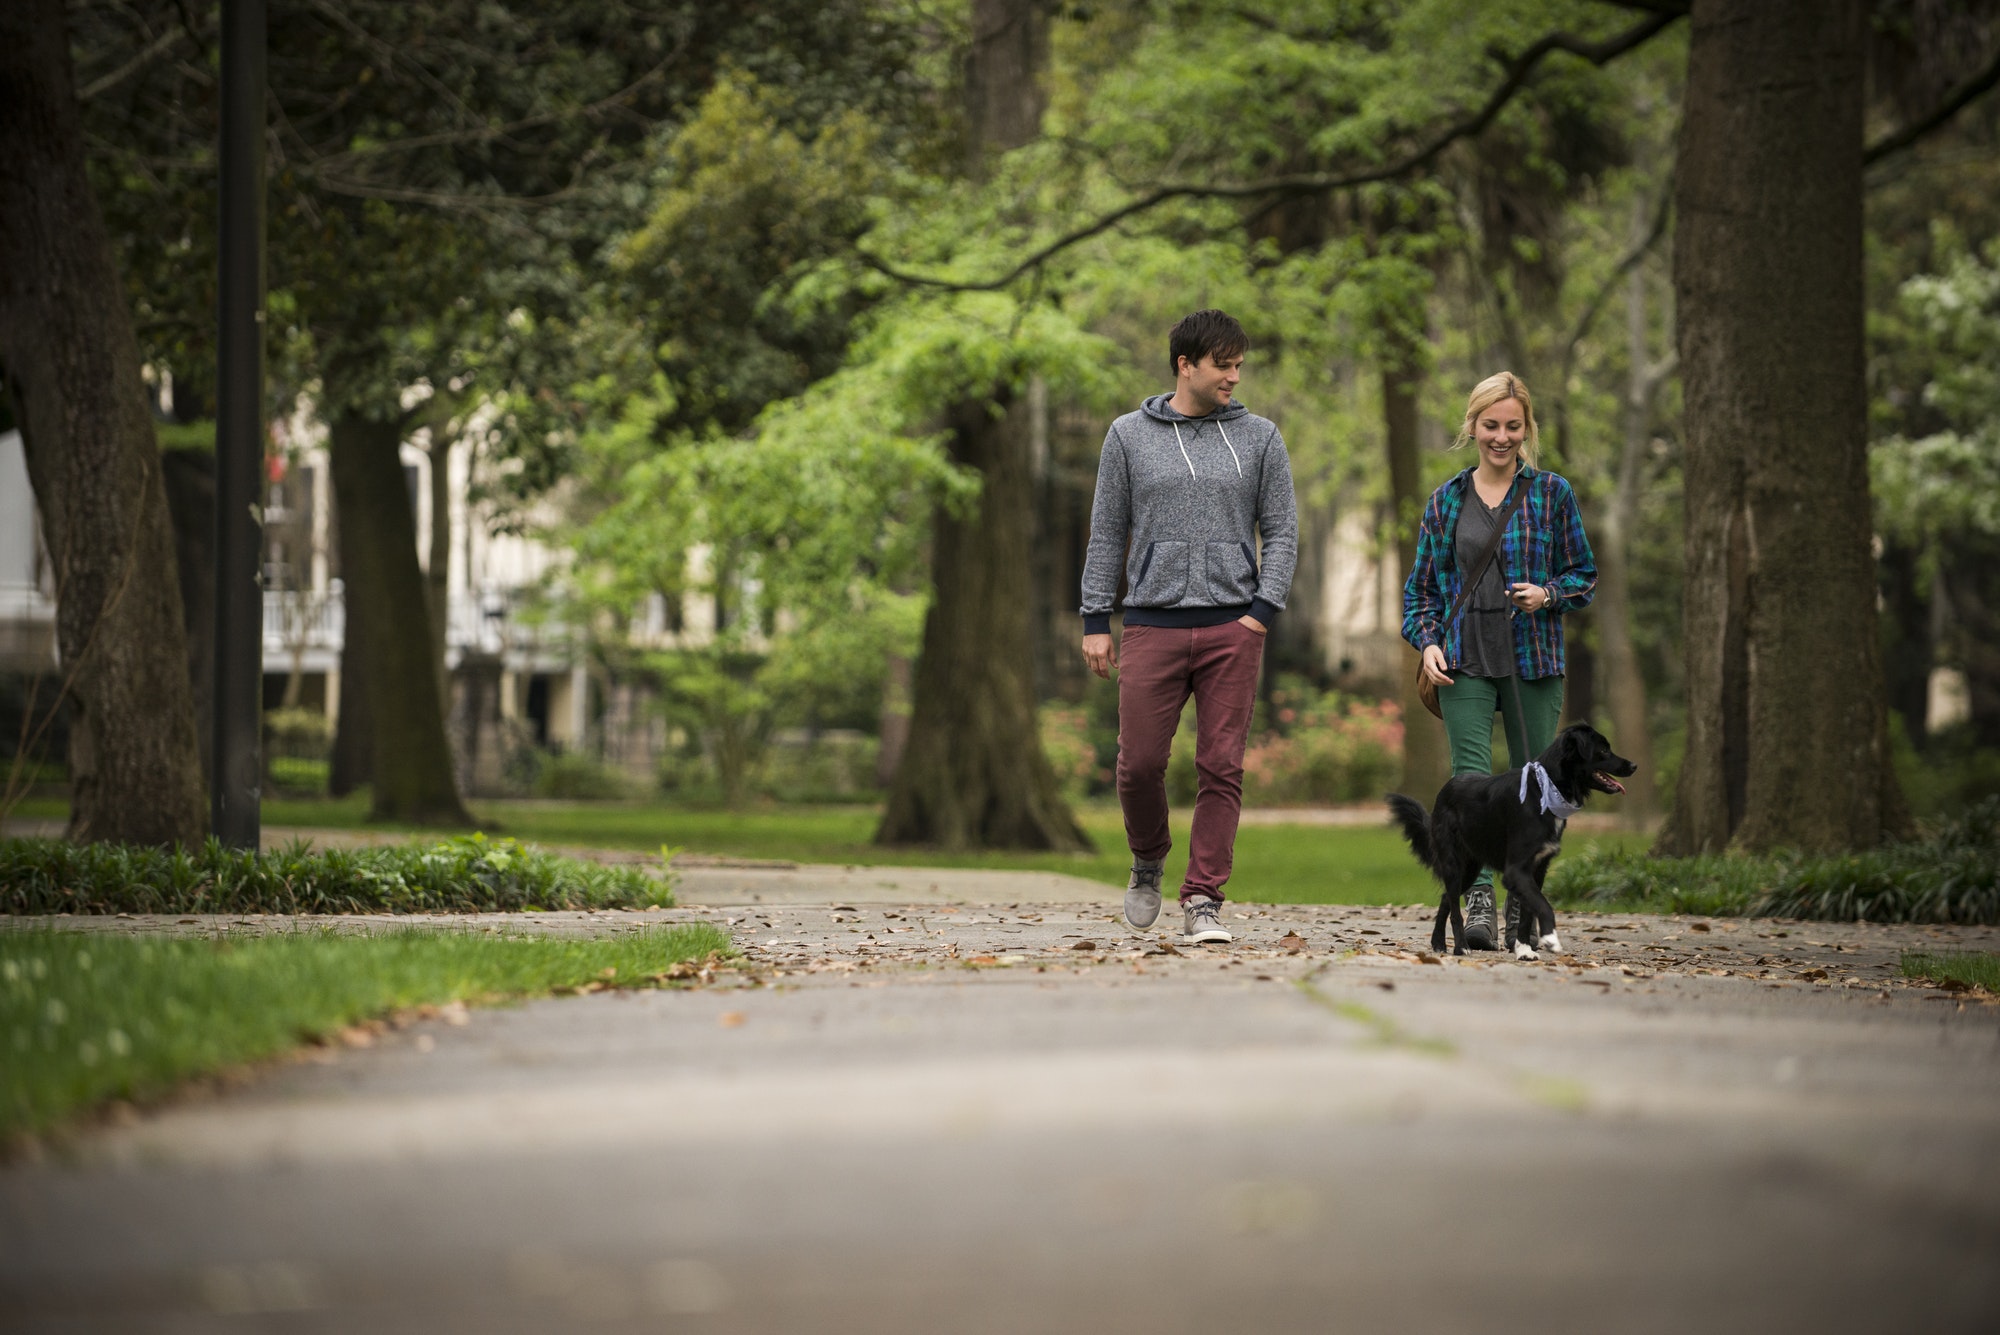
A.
pixel 1192 495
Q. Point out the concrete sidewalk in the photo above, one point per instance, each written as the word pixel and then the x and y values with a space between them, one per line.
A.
pixel 1017 1116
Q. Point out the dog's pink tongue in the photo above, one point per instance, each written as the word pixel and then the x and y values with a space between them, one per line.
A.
pixel 1611 783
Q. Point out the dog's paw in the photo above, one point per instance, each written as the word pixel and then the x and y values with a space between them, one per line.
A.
pixel 1523 951
pixel 1550 942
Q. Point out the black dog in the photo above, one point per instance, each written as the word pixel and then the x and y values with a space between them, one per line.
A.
pixel 1513 823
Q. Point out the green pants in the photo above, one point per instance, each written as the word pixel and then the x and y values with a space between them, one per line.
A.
pixel 1469 704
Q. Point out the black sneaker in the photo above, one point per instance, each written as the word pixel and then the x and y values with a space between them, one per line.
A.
pixel 1481 932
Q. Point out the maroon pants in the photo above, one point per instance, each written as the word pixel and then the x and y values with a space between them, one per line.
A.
pixel 1158 669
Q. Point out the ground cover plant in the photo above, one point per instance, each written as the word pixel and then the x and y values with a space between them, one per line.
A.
pixel 1275 864
pixel 89 1016
pixel 463 875
pixel 1951 875
pixel 1966 968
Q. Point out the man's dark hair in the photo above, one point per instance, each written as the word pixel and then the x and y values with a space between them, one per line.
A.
pixel 1205 334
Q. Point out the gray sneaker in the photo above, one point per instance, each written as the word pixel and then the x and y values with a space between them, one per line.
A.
pixel 1204 921
pixel 1142 894
pixel 1480 933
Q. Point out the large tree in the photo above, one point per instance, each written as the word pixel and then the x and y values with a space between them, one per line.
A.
pixel 444 176
pixel 1786 728
pixel 973 772
pixel 71 363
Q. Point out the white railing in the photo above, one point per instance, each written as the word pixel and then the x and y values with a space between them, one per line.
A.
pixel 302 620
pixel 480 623
pixel 25 602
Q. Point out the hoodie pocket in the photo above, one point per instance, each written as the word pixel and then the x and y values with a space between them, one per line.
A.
pixel 1232 573
pixel 1161 576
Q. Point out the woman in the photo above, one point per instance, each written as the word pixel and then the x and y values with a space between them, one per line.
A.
pixel 1504 650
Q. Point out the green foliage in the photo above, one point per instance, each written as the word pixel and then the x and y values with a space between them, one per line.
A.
pixel 86 1017
pixel 1966 968
pixel 471 874
pixel 1953 876
pixel 745 200
pixel 1947 482
pixel 573 776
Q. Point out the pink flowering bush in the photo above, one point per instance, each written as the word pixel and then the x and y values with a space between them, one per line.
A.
pixel 1306 748
pixel 1327 748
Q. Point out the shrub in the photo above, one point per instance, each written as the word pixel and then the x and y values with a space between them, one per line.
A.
pixel 1323 748
pixel 578 777
pixel 830 765
pixel 1305 747
pixel 1951 876
pixel 1066 742
pixel 472 874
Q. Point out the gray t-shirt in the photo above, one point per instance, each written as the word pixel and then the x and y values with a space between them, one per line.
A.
pixel 1486 644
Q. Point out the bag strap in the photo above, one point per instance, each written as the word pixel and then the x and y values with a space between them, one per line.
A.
pixel 1492 546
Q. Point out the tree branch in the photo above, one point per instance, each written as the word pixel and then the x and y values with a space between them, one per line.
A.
pixel 147 55
pixel 1969 91
pixel 1630 261
pixel 1517 74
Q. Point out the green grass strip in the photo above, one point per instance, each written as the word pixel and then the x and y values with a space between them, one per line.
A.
pixel 472 874
pixel 1965 967
pixel 86 1017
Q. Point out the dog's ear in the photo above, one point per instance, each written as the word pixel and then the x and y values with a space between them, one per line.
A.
pixel 1574 755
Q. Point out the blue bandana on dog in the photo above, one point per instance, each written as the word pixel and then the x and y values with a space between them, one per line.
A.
pixel 1553 802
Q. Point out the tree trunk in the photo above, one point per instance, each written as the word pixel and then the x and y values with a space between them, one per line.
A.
pixel 1004 95
pixel 190 481
pixel 72 367
pixel 1426 756
pixel 1787 735
pixel 1297 642
pixel 388 619
pixel 437 562
pixel 1624 685
pixel 352 763
pixel 973 772
pixel 1909 645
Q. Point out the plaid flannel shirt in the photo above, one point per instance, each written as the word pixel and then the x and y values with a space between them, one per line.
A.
pixel 1544 544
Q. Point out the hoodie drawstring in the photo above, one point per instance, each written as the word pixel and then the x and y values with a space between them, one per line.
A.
pixel 1183 444
pixel 1232 449
pixel 1225 440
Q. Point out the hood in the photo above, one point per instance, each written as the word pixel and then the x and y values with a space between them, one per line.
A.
pixel 1161 406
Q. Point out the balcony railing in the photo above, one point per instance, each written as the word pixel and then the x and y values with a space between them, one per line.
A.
pixel 479 623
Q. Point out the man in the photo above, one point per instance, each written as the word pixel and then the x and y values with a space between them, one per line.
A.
pixel 1185 488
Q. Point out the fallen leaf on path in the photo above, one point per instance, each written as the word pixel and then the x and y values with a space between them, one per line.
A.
pixel 1084 945
pixel 730 1019
pixel 1292 942
pixel 1425 957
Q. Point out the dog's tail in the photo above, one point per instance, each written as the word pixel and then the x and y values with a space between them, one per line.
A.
pixel 1416 822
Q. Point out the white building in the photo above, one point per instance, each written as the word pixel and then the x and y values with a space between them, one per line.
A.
pixel 515 683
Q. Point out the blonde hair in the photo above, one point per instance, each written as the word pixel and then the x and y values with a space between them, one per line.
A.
pixel 1497 388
